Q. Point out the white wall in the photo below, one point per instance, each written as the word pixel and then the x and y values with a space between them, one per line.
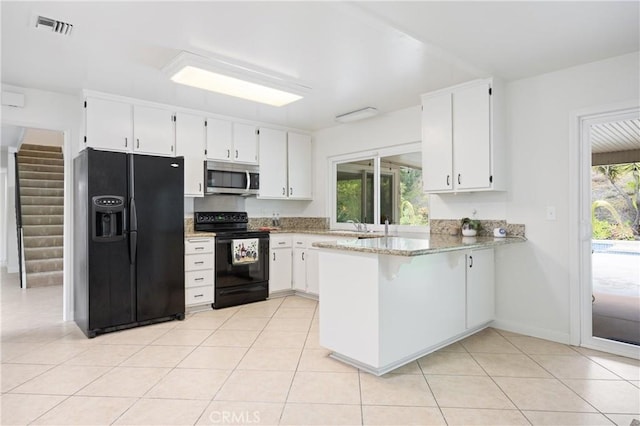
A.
pixel 54 111
pixel 533 280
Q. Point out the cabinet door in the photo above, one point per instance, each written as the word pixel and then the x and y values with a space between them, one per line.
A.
pixel 472 137
pixel 109 125
pixel 190 142
pixel 437 150
pixel 245 143
pixel 480 287
pixel 153 131
pixel 299 166
pixel 272 147
pixel 299 277
pixel 280 270
pixel 219 139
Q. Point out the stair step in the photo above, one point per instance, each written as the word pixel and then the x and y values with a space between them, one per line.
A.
pixel 33 253
pixel 29 167
pixel 52 219
pixel 25 159
pixel 44 279
pixel 43 265
pixel 41 175
pixel 42 230
pixel 39 154
pixel 41 210
pixel 40 183
pixel 41 201
pixel 40 241
pixel 42 192
pixel 34 147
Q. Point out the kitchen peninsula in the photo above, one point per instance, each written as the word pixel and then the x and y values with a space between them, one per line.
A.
pixel 388 301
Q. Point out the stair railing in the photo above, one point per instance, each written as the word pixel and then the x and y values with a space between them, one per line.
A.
pixel 21 264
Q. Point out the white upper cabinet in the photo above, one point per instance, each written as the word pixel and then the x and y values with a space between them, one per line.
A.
pixel 108 125
pixel 299 166
pixel 285 165
pixel 273 163
pixel 190 143
pixel 234 142
pixel 462 138
pixel 219 139
pixel 153 131
pixel 245 143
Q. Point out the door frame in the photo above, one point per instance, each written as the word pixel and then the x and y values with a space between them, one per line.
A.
pixel 67 227
pixel 580 231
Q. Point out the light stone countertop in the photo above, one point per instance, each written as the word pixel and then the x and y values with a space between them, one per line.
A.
pixel 400 246
pixel 198 234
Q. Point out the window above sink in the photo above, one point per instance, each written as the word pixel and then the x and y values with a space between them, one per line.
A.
pixel 371 187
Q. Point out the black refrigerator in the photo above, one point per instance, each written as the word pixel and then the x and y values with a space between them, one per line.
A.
pixel 128 240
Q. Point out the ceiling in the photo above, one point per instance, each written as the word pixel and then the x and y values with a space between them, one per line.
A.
pixel 352 55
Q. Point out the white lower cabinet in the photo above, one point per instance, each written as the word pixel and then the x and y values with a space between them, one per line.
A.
pixel 299 271
pixel 280 263
pixel 480 287
pixel 199 272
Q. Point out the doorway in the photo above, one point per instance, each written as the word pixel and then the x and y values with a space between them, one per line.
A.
pixel 610 236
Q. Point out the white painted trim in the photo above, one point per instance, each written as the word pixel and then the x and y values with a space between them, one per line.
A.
pixel 580 314
pixel 541 333
pixel 67 274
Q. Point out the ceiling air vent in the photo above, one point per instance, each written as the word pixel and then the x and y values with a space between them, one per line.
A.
pixel 54 25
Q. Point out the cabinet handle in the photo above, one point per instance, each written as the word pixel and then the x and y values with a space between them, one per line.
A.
pixel 200 187
pixel 302 255
pixel 281 243
pixel 126 142
pixel 274 256
pixel 198 248
pixel 290 191
pixel 228 153
pixel 470 261
pixel 198 295
pixel 198 263
pixel 171 148
pixel 448 180
pixel 236 153
pixel 458 178
pixel 283 190
pixel 199 279
pixel 137 142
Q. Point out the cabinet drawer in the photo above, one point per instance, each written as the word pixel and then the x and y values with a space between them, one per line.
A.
pixel 198 278
pixel 204 245
pixel 198 295
pixel 196 262
pixel 280 241
pixel 300 242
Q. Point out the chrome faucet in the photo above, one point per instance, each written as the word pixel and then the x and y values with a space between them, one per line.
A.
pixel 356 224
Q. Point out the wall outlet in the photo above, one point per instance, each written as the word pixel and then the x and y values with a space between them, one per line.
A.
pixel 551 212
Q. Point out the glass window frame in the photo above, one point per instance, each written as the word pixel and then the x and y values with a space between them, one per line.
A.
pixel 375 157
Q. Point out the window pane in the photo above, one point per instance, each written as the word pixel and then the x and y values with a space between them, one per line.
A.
pixel 354 191
pixel 402 200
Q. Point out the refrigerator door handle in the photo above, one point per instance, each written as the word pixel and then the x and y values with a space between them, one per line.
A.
pixel 133 246
pixel 133 231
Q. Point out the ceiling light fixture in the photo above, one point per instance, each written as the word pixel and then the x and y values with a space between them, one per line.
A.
pixel 356 115
pixel 222 76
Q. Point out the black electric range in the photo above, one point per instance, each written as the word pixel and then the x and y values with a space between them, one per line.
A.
pixel 241 258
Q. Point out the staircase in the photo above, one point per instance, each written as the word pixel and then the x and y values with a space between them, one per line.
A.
pixel 41 174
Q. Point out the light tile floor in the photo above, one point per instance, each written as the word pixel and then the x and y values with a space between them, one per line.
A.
pixel 262 364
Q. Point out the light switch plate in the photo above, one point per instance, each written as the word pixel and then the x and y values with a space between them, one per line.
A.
pixel 551 212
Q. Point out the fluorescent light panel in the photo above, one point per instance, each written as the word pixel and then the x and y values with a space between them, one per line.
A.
pixel 214 82
pixel 357 115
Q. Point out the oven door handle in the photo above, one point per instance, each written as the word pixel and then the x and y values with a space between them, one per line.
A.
pixel 244 289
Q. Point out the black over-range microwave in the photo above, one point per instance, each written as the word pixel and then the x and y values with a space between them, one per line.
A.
pixel 230 178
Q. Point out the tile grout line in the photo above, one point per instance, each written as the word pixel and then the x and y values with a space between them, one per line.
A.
pixel 433 395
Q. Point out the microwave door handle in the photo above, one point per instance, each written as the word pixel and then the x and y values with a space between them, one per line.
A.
pixel 248 180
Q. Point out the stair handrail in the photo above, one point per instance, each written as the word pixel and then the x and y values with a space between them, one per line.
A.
pixel 18 204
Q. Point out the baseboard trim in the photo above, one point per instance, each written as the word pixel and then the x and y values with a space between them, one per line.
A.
pixel 541 333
